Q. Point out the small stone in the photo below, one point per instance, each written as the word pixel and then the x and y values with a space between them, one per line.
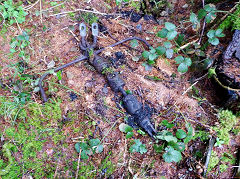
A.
pixel 70 75
pixel 185 6
pixel 139 27
pixel 51 64
pixel 105 90
pixel 164 13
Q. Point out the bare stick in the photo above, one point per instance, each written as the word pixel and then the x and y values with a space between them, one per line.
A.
pixel 82 10
pixel 79 157
pixel 210 147
pixel 189 88
pixel 40 10
pixel 29 7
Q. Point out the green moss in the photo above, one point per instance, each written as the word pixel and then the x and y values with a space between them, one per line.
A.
pixel 227 122
pixel 223 167
pixel 232 20
pixel 214 160
pixel 202 135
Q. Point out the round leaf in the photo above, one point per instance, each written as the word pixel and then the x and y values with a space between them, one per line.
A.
pixel 182 68
pixel 162 33
pixel 171 35
pixel 160 50
pixel 169 26
pixel 167 44
pixel 213 41
pixel 181 134
pixel 187 61
pixel 169 53
pixel 145 54
pixel 211 33
pixel 179 59
pixel 172 155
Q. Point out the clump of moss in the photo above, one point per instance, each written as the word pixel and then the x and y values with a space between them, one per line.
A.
pixel 232 20
pixel 214 160
pixel 227 121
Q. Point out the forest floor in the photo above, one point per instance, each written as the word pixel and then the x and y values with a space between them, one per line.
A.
pixel 41 138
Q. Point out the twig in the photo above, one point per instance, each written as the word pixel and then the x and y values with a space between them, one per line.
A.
pixel 83 10
pixel 40 3
pixel 186 45
pixel 79 157
pixel 74 35
pixel 200 78
pixel 204 25
pixel 29 7
pixel 210 147
pixel 110 129
pixel 18 25
pixel 189 88
pixel 53 7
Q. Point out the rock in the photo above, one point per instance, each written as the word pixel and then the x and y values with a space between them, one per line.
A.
pixel 51 64
pixel 70 75
pixel 185 6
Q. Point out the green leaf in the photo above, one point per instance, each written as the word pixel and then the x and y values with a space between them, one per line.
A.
pixel 182 68
pixel 152 57
pixel 167 44
pixel 94 142
pixel 179 59
pixel 59 75
pixel 158 148
pixel 77 147
pixel 171 35
pixel 162 33
pixel 180 146
pixel 201 13
pixel 187 61
pixel 169 53
pixel 152 50
pixel 210 17
pixel 211 72
pixel 211 33
pixel 169 26
pixel 145 54
pixel 134 43
pixel 209 7
pixel 219 33
pixel 138 147
pixel 172 155
pixel 161 50
pixel 125 128
pixel 169 138
pixel 129 135
pixel 167 124
pixel 213 41
pixel 181 134
pixel 118 2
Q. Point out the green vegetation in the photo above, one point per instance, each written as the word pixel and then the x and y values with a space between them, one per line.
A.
pixel 227 121
pixel 232 21
pixel 13 13
pixel 91 147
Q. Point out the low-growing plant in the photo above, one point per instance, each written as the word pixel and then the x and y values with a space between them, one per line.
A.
pixel 213 36
pixel 173 145
pixel 138 147
pixel 89 148
pixel 126 129
pixel 13 13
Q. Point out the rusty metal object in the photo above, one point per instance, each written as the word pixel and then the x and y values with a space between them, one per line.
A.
pixel 136 109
